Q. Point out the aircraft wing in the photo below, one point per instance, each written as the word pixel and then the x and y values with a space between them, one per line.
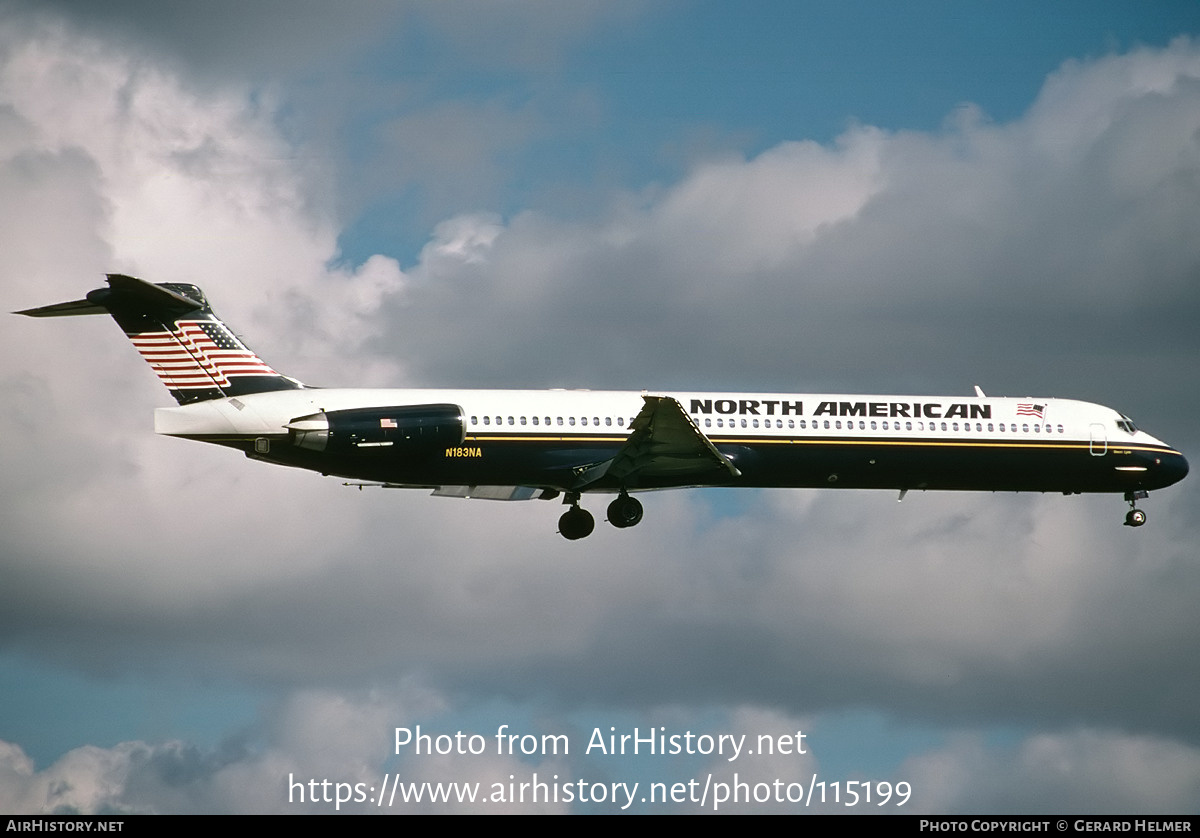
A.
pixel 663 443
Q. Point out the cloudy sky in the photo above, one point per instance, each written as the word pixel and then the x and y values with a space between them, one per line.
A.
pixel 871 197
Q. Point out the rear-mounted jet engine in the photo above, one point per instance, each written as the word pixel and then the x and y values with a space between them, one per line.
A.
pixel 403 431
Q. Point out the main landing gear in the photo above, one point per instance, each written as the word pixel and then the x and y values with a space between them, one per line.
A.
pixel 1135 517
pixel 577 523
pixel 624 511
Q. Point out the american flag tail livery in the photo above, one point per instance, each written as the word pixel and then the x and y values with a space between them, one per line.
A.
pixel 193 353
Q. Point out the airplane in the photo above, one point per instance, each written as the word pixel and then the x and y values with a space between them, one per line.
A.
pixel 523 444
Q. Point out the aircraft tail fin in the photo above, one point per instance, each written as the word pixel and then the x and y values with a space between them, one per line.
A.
pixel 172 326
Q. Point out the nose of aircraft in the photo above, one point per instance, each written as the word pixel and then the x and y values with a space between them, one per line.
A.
pixel 1172 468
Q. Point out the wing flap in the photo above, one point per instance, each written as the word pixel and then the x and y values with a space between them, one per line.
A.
pixel 488 492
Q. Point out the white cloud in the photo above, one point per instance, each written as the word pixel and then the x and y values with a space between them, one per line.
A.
pixel 909 260
pixel 1092 771
pixel 347 739
pixel 187 186
pixel 737 217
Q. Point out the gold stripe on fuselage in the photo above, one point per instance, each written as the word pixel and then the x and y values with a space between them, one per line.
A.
pixel 926 443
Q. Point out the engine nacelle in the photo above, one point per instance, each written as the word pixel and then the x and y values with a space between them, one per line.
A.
pixel 399 431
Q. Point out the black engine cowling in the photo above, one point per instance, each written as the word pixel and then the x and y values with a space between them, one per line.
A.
pixel 398 431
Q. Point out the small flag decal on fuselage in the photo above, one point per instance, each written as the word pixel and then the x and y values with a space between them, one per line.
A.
pixel 1030 410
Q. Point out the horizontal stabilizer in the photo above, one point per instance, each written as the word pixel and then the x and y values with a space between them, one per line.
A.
pixel 71 309
pixel 124 292
pixel 131 290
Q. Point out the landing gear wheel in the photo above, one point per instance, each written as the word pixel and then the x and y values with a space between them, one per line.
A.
pixel 576 523
pixel 1135 518
pixel 624 512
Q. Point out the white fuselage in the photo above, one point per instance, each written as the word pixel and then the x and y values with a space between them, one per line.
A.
pixel 575 414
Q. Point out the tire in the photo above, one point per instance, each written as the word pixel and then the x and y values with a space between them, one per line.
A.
pixel 1135 518
pixel 576 523
pixel 624 512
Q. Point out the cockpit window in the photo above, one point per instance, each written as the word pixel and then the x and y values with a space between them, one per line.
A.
pixel 1126 424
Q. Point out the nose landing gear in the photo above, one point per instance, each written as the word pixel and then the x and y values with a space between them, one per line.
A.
pixel 1135 517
